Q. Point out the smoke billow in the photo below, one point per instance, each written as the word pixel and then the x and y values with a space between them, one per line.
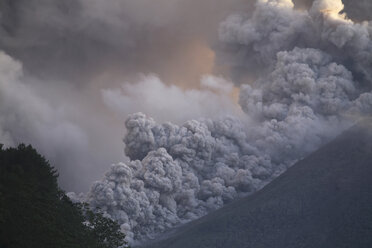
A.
pixel 250 44
pixel 303 76
pixel 312 79
pixel 75 53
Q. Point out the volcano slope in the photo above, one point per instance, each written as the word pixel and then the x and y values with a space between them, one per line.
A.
pixel 325 200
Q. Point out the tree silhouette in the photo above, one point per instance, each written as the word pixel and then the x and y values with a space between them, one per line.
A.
pixel 35 212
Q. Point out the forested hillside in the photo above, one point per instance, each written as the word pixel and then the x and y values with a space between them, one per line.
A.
pixel 35 212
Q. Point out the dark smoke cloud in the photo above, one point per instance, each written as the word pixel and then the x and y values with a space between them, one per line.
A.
pixel 250 44
pixel 75 39
pixel 71 50
pixel 312 80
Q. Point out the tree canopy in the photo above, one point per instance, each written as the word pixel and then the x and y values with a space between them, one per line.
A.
pixel 35 212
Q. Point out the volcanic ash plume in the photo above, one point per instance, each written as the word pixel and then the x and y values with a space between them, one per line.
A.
pixel 312 77
pixel 251 44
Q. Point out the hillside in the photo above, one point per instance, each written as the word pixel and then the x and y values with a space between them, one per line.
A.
pixel 35 212
pixel 324 200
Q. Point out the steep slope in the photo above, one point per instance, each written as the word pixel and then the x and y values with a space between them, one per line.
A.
pixel 324 200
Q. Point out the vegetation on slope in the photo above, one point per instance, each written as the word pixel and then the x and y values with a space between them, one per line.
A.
pixel 35 212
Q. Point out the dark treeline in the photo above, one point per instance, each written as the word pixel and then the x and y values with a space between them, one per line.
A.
pixel 35 212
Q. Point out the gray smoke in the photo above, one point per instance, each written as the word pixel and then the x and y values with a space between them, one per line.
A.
pixel 70 50
pixel 250 44
pixel 28 116
pixel 73 52
pixel 74 40
pixel 312 82
pixel 147 96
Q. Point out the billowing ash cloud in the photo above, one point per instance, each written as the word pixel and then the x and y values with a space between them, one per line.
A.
pixel 70 50
pixel 251 43
pixel 69 133
pixel 312 80
pixel 303 80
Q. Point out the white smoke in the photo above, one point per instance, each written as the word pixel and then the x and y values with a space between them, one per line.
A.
pixel 312 69
pixel 152 96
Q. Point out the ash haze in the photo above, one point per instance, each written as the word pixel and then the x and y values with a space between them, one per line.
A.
pixel 68 56
pixel 231 94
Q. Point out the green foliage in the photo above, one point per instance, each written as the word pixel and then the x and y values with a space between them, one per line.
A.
pixel 35 212
pixel 104 229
